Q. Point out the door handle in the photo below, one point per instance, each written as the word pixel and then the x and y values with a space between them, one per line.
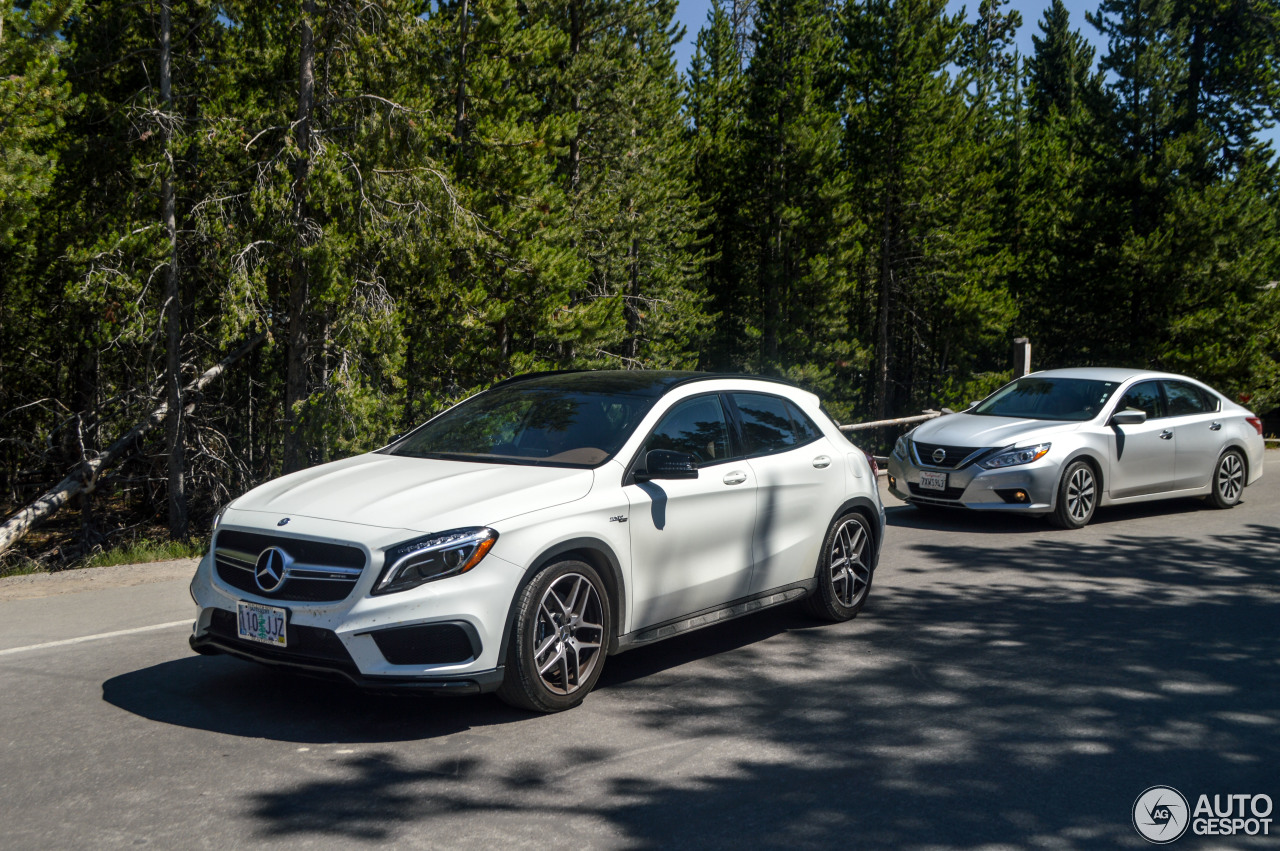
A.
pixel 1166 435
pixel 734 477
pixel 821 461
pixel 1215 427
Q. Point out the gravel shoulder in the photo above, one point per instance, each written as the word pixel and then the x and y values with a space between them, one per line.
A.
pixel 36 585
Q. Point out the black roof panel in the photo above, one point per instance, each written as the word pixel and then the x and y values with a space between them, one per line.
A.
pixel 635 382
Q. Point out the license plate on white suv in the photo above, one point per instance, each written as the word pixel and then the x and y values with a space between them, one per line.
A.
pixel 264 624
pixel 933 481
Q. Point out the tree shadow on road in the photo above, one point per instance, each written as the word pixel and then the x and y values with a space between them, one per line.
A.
pixel 227 695
pixel 983 707
pixel 966 520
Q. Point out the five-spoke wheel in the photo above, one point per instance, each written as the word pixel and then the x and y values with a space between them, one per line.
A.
pixel 559 643
pixel 844 569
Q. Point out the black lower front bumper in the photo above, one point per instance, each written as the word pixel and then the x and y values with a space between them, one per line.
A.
pixel 332 661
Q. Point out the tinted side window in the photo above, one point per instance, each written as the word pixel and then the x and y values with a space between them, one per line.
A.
pixel 1143 397
pixel 1184 399
pixel 696 427
pixel 766 423
pixel 805 429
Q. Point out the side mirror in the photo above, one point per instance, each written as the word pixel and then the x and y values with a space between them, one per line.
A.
pixel 1129 417
pixel 666 464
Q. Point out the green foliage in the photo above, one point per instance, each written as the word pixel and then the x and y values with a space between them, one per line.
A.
pixel 143 551
pixel 869 198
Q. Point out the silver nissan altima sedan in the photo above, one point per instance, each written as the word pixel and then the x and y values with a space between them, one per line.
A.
pixel 1064 442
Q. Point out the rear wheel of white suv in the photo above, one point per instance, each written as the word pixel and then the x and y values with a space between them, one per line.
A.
pixel 559 639
pixel 844 570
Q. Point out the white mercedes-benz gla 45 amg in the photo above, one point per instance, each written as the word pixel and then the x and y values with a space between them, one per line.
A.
pixel 514 541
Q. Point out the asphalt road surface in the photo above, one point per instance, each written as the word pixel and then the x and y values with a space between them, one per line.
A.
pixel 1008 685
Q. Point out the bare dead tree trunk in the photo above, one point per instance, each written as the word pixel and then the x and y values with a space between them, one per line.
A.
pixel 84 478
pixel 295 389
pixel 174 431
pixel 460 122
pixel 575 47
pixel 883 308
pixel 631 303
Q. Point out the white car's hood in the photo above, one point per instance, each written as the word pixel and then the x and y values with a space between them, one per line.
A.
pixel 978 431
pixel 419 494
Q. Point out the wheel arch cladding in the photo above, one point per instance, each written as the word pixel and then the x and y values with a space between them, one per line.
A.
pixel 594 552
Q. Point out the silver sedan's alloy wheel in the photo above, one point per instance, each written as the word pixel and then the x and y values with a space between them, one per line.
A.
pixel 1077 496
pixel 569 634
pixel 1228 480
pixel 850 571
pixel 1081 492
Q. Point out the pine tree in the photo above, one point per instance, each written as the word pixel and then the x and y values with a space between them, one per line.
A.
pixel 1060 70
pixel 912 145
pixel 626 177
pixel 798 212
pixel 717 108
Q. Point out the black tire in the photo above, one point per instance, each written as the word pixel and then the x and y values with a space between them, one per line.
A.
pixel 1077 496
pixel 846 566
pixel 559 639
pixel 1227 485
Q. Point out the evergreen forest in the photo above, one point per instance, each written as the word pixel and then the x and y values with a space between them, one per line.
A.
pixel 241 238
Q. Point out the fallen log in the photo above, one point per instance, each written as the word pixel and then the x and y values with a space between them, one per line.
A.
pixel 84 478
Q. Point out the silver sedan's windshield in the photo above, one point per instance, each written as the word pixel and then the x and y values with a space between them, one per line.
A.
pixel 1069 399
pixel 530 425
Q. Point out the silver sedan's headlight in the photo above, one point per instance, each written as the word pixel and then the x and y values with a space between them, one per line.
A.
pixel 432 557
pixel 902 449
pixel 1014 457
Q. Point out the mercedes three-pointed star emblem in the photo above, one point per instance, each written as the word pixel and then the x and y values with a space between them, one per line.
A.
pixel 272 569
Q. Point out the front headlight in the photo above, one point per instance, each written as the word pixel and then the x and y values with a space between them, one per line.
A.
pixel 217 518
pixel 901 449
pixel 432 557
pixel 1014 457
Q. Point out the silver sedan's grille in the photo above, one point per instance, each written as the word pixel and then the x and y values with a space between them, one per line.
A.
pixel 314 571
pixel 937 455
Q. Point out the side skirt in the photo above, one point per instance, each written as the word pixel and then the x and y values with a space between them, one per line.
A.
pixel 1150 497
pixel 715 615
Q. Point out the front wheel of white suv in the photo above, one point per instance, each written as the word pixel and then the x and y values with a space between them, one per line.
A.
pixel 844 570
pixel 559 639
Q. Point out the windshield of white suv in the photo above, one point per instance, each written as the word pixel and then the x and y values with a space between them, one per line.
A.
pixel 520 424
pixel 1069 399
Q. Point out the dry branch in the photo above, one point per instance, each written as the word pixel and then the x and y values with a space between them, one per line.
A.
pixel 84 478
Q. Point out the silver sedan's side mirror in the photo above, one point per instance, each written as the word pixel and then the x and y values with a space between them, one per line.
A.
pixel 1129 417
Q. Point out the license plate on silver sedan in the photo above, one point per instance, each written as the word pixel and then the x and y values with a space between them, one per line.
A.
pixel 264 624
pixel 933 481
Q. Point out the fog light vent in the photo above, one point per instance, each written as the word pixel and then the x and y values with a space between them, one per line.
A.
pixel 429 644
pixel 1016 496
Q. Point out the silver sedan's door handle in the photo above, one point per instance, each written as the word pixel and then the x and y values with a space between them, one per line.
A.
pixel 821 461
pixel 1215 427
pixel 1166 435
pixel 735 477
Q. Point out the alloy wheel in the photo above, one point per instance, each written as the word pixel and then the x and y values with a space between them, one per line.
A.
pixel 1080 494
pixel 1230 477
pixel 850 573
pixel 569 633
